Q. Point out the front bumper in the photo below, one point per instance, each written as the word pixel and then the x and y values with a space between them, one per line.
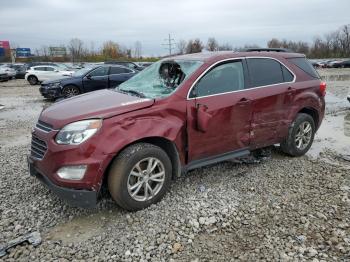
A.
pixel 74 197
pixel 4 77
pixel 50 92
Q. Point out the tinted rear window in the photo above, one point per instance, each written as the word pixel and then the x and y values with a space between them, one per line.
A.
pixel 119 70
pixel 264 72
pixel 304 65
pixel 287 75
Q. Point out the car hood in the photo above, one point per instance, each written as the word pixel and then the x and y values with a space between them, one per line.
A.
pixel 99 104
pixel 61 80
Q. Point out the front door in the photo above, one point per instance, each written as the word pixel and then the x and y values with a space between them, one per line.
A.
pixel 218 112
pixel 96 79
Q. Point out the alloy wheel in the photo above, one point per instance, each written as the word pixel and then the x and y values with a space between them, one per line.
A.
pixel 303 135
pixel 70 91
pixel 146 179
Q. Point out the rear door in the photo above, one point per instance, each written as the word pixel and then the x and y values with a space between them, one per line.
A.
pixel 218 112
pixel 41 73
pixel 271 91
pixel 96 79
pixel 118 75
pixel 52 73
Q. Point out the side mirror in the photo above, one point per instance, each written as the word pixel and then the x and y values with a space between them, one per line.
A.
pixel 202 118
pixel 88 77
pixel 56 70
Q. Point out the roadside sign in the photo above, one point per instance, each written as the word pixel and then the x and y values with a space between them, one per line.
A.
pixel 5 44
pixel 57 51
pixel 22 52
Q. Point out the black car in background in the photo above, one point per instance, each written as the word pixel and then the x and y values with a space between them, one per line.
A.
pixel 20 70
pixel 4 77
pixel 345 64
pixel 86 80
pixel 127 64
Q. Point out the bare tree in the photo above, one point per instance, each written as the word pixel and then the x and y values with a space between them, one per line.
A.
pixel 212 44
pixel 76 48
pixel 181 47
pixel 194 46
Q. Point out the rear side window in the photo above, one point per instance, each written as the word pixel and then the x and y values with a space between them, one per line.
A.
pixel 48 68
pixel 41 68
pixel 224 78
pixel 304 65
pixel 264 72
pixel 118 70
pixel 287 75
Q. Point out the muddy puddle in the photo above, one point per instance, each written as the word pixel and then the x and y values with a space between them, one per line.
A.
pixel 334 134
pixel 84 227
pixel 335 104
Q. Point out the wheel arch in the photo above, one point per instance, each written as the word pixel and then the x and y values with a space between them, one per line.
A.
pixel 312 112
pixel 168 146
pixel 33 76
pixel 75 85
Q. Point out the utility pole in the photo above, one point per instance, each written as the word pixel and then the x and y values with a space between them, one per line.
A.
pixel 169 44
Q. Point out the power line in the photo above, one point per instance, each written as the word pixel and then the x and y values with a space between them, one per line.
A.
pixel 169 43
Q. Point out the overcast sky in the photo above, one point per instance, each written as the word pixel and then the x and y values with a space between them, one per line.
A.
pixel 33 23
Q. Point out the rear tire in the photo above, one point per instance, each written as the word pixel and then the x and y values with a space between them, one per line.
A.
pixel 33 80
pixel 70 91
pixel 300 136
pixel 140 176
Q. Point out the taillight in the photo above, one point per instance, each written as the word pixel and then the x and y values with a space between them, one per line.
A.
pixel 323 87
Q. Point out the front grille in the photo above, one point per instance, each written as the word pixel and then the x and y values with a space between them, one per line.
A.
pixel 44 126
pixel 38 147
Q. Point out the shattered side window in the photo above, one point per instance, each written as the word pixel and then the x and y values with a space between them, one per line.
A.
pixel 160 79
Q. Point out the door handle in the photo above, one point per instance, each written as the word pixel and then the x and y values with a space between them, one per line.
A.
pixel 291 90
pixel 244 101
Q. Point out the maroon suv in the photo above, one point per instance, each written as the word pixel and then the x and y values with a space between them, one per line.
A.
pixel 181 113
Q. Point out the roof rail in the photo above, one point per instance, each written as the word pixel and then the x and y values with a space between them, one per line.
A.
pixel 282 50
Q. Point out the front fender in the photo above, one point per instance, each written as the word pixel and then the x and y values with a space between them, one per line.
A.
pixel 128 130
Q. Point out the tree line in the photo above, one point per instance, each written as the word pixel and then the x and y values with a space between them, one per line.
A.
pixel 78 51
pixel 334 44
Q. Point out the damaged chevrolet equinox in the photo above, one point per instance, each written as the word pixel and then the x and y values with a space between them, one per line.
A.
pixel 181 113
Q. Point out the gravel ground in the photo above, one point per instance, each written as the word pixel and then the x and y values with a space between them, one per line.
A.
pixel 279 209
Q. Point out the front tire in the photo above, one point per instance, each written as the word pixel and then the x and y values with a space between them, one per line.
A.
pixel 33 80
pixel 140 176
pixel 70 91
pixel 300 136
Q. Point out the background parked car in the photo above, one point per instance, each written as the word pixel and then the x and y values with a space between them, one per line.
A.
pixel 87 80
pixel 8 70
pixel 3 76
pixel 345 64
pixel 127 64
pixel 37 74
pixel 144 64
pixel 20 70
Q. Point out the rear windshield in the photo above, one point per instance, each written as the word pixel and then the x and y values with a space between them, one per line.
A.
pixel 305 65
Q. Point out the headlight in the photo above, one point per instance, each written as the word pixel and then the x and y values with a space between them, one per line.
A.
pixel 77 132
pixel 54 85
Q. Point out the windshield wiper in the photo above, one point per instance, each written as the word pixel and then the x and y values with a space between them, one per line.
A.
pixel 134 92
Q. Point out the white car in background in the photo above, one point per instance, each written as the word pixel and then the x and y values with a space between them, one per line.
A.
pixel 8 70
pixel 37 74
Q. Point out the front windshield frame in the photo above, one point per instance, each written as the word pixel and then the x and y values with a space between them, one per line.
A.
pixel 153 83
pixel 83 71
